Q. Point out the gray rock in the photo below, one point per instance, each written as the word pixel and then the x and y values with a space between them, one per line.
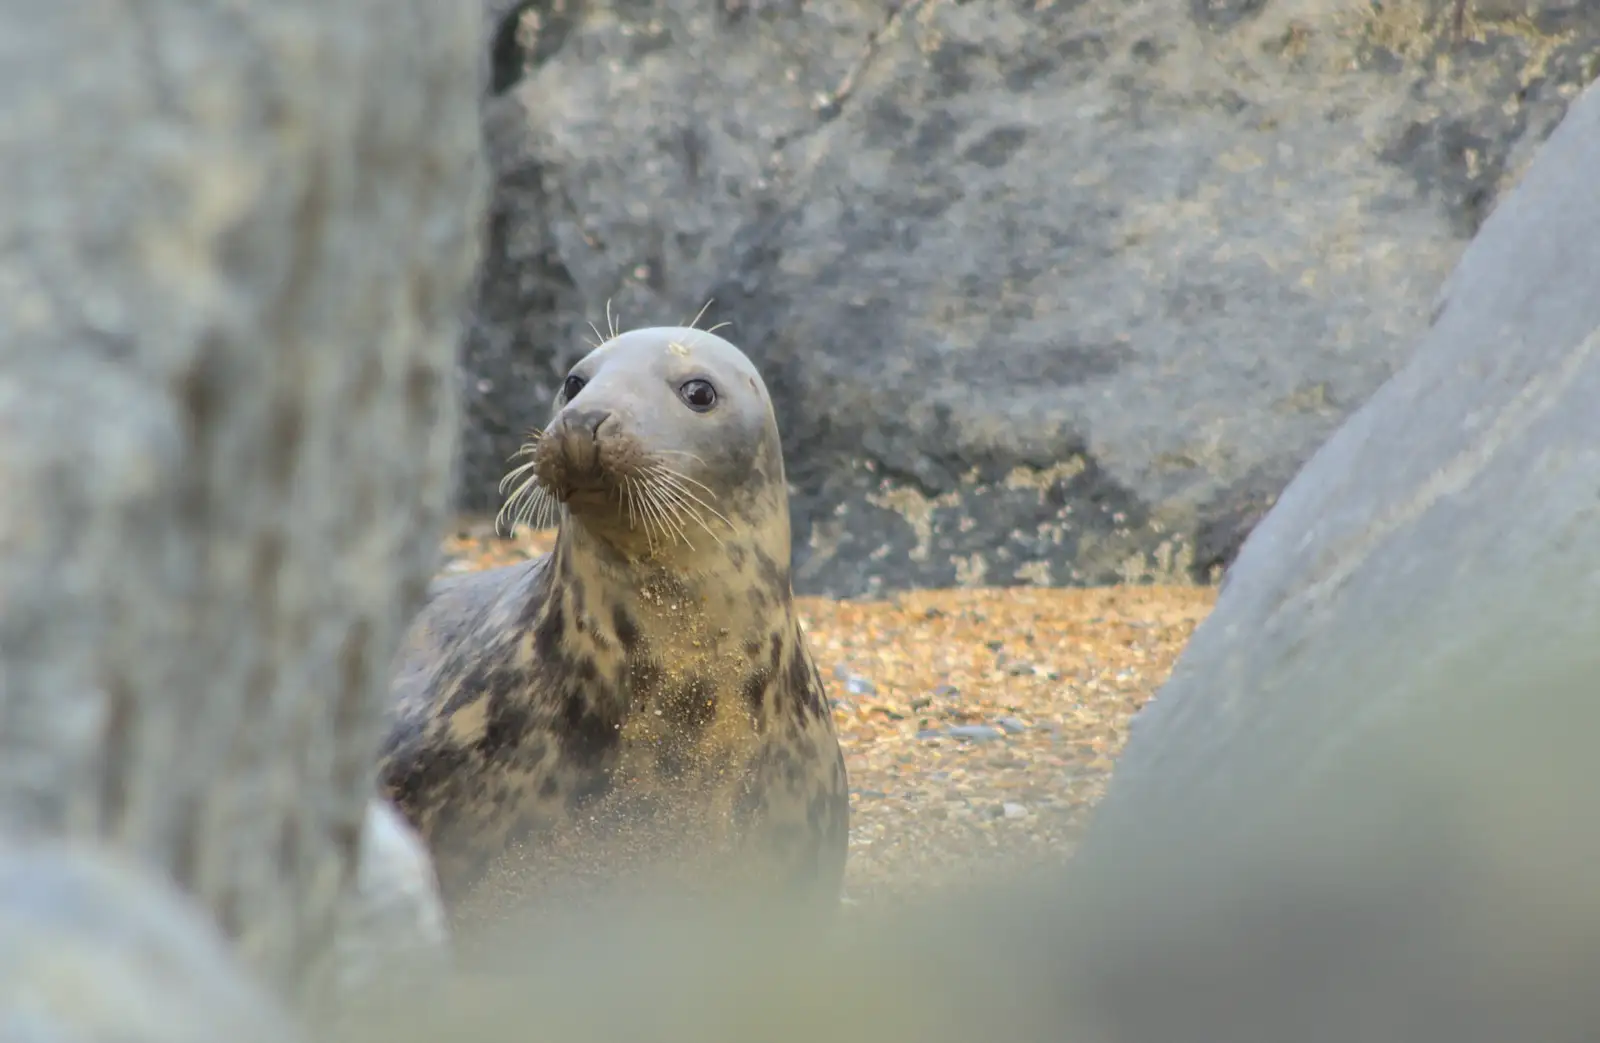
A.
pixel 238 242
pixel 1057 293
pixel 1475 470
pixel 395 940
pixel 1379 747
pixel 94 947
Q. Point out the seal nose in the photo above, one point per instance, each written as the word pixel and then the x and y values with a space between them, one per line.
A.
pixel 581 441
pixel 591 420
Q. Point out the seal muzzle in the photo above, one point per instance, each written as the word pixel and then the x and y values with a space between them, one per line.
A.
pixel 582 453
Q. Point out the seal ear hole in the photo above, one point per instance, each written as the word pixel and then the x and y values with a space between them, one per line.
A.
pixel 570 389
pixel 698 395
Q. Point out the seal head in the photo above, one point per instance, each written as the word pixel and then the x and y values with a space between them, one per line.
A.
pixel 657 435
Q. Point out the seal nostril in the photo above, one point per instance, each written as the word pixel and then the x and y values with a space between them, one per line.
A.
pixel 591 420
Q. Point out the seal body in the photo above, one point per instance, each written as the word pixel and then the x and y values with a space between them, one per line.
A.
pixel 649 677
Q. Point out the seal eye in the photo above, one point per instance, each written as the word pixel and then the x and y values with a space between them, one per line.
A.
pixel 570 389
pixel 698 395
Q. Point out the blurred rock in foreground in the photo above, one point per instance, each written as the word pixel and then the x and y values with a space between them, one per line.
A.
pixel 1375 757
pixel 238 242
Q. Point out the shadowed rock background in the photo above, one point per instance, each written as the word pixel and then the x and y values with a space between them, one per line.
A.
pixel 1046 292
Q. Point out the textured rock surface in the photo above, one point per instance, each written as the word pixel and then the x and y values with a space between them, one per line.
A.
pixel 237 244
pixel 1393 699
pixel 96 948
pixel 395 940
pixel 1054 292
pixel 1471 476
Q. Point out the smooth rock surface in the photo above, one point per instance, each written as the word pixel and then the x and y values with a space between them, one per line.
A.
pixel 1375 756
pixel 238 241
pixel 95 948
pixel 1045 292
pixel 395 942
pixel 1471 476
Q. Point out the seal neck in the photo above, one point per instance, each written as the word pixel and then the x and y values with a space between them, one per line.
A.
pixel 724 585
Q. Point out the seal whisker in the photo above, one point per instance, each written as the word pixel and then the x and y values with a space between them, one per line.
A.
pixel 669 511
pixel 695 322
pixel 529 504
pixel 667 476
pixel 645 516
pixel 673 512
pixel 674 472
pixel 654 513
pixel 631 494
pixel 688 499
pixel 638 506
pixel 508 509
pixel 693 504
pixel 515 475
pixel 682 500
pixel 685 510
pixel 675 497
pixel 611 321
pixel 680 452
pixel 515 501
pixel 546 516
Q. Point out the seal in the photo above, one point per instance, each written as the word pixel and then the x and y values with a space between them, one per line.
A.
pixel 651 668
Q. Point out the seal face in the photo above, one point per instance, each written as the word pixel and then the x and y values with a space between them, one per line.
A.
pixel 651 670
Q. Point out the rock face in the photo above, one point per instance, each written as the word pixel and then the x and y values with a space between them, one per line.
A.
pixel 1045 292
pixel 1470 478
pixel 98 948
pixel 238 243
pixel 395 941
pixel 1391 710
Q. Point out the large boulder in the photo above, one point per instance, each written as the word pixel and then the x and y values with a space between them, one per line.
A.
pixel 238 243
pixel 96 948
pixel 1375 758
pixel 1046 292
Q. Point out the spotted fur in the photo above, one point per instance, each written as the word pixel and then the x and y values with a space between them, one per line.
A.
pixel 604 686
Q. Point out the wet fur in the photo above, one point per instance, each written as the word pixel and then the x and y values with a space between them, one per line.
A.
pixel 592 687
